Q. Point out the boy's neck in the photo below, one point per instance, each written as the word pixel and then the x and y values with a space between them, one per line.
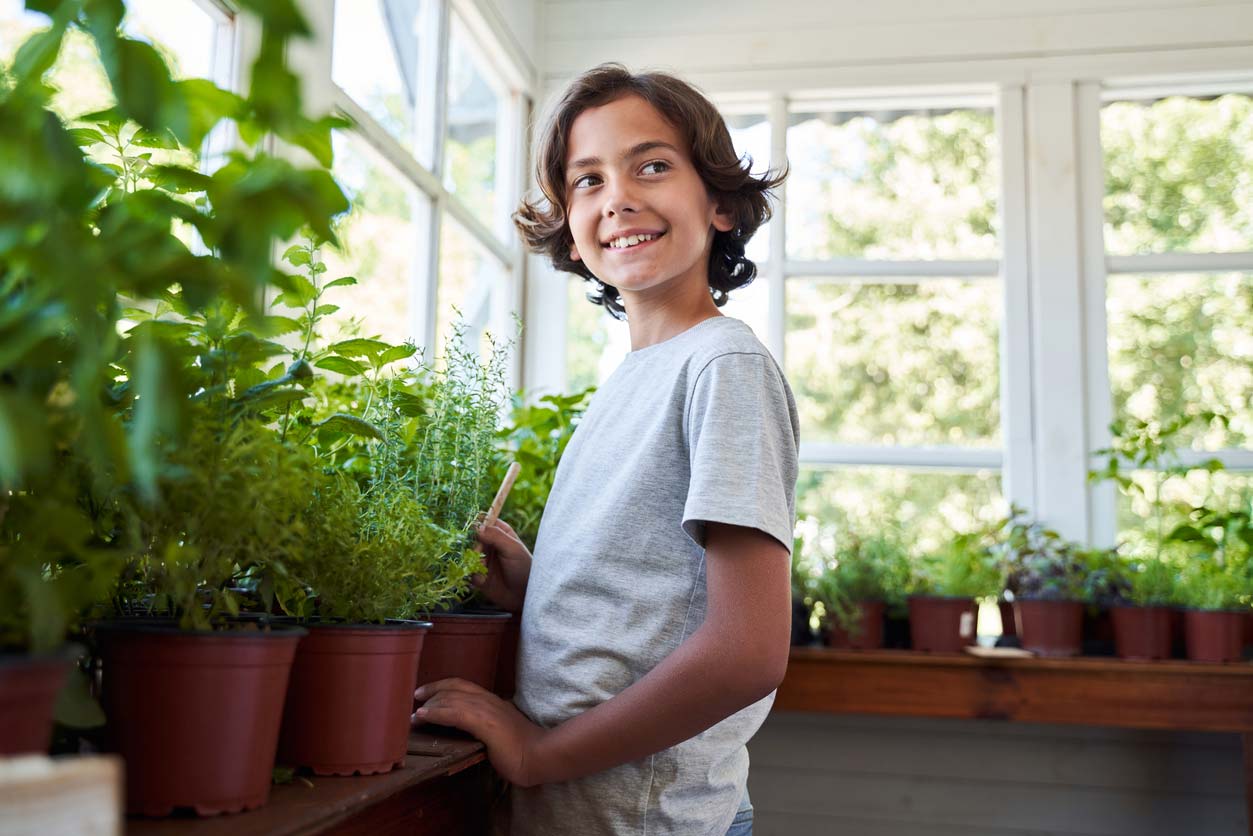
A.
pixel 657 318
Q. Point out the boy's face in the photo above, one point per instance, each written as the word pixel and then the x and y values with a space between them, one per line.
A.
pixel 629 173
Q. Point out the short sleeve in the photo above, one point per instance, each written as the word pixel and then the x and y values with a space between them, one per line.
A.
pixel 743 435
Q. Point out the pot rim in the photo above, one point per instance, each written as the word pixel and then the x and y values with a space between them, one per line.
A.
pixel 389 624
pixel 479 615
pixel 169 627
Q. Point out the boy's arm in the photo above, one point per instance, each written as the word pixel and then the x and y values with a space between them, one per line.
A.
pixel 736 657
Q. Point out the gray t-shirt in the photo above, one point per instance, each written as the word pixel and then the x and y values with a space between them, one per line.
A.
pixel 700 427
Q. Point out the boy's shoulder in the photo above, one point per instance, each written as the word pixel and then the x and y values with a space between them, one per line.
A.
pixel 731 338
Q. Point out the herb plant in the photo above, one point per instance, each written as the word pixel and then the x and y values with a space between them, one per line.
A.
pixel 874 568
pixel 1040 563
pixel 967 567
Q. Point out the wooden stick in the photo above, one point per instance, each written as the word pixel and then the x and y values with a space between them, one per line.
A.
pixel 493 513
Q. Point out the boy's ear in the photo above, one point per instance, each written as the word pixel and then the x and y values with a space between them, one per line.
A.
pixel 574 252
pixel 723 221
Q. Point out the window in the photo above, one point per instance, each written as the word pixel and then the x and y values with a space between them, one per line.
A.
pixel 433 169
pixel 1178 241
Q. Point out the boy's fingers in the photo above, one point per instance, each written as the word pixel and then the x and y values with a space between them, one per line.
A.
pixel 453 685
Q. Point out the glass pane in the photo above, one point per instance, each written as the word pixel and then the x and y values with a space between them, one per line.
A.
pixel 380 236
pixel 1137 523
pixel 1180 344
pixel 596 343
pixel 184 34
pixel 751 304
pixel 896 364
pixel 908 184
pixel 474 117
pixel 751 135
pixel 472 287
pixel 1179 174
pixel 379 59
pixel 927 506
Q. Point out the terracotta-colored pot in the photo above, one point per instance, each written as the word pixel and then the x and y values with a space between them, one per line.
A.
pixel 1050 628
pixel 195 715
pixel 465 645
pixel 1215 635
pixel 868 629
pixel 1178 637
pixel 941 624
pixel 1248 628
pixel 1141 633
pixel 351 691
pixel 1008 625
pixel 507 660
pixel 28 693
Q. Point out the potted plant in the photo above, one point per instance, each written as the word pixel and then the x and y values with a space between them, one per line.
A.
pixel 946 585
pixel 372 556
pixel 1046 579
pixel 803 598
pixel 1217 580
pixel 856 586
pixel 454 446
pixel 93 199
pixel 1143 628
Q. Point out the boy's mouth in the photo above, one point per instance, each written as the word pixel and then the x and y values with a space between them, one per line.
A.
pixel 632 240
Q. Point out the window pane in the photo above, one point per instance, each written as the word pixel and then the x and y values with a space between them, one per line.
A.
pixel 751 135
pixel 895 364
pixel 184 34
pixel 475 99
pixel 928 506
pixel 751 304
pixel 1178 174
pixel 1180 344
pixel 1137 524
pixel 380 236
pixel 379 59
pixel 595 342
pixel 909 184
pixel 472 287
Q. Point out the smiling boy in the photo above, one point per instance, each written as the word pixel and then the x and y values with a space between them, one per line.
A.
pixel 656 608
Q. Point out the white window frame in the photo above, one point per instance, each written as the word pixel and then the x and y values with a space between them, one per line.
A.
pixel 312 61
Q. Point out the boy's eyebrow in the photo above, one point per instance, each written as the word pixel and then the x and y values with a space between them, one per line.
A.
pixel 633 151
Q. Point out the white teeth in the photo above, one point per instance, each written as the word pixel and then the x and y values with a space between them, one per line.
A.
pixel 630 241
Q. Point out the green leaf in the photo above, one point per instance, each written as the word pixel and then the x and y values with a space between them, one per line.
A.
pixel 140 80
pixel 341 365
pixel 86 136
pixel 297 255
pixel 360 348
pixel 398 352
pixel 154 139
pixel 343 422
pixel 341 282
pixel 75 707
pixel 177 179
pixel 325 310
pixel 276 325
pixel 37 55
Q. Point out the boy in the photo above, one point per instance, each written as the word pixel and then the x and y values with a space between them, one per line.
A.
pixel 656 610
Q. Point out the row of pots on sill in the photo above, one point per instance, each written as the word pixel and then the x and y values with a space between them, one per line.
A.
pixel 201 719
pixel 1054 629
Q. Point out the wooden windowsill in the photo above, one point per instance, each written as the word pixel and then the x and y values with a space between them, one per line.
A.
pixel 1082 690
pixel 296 809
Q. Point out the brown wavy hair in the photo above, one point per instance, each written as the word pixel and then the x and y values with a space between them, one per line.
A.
pixel 542 222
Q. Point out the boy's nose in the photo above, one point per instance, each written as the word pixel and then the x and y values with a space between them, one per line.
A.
pixel 619 199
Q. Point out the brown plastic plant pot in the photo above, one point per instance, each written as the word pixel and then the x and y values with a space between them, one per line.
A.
pixel 1215 635
pixel 28 693
pixel 1009 626
pixel 507 660
pixel 1050 628
pixel 940 624
pixel 867 632
pixel 351 692
pixel 194 714
pixel 465 645
pixel 1141 633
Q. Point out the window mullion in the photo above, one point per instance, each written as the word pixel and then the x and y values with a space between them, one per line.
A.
pixel 1102 498
pixel 1060 428
pixel 776 336
pixel 863 269
pixel 1178 262
pixel 1019 477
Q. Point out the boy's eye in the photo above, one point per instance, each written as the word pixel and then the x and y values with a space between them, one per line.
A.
pixel 585 181
pixel 655 167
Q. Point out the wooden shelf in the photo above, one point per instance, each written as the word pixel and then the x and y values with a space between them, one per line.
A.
pixel 414 798
pixel 1082 690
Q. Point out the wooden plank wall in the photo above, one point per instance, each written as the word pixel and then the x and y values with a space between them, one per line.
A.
pixel 875 776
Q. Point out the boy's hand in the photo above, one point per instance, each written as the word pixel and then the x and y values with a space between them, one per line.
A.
pixel 508 566
pixel 511 739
